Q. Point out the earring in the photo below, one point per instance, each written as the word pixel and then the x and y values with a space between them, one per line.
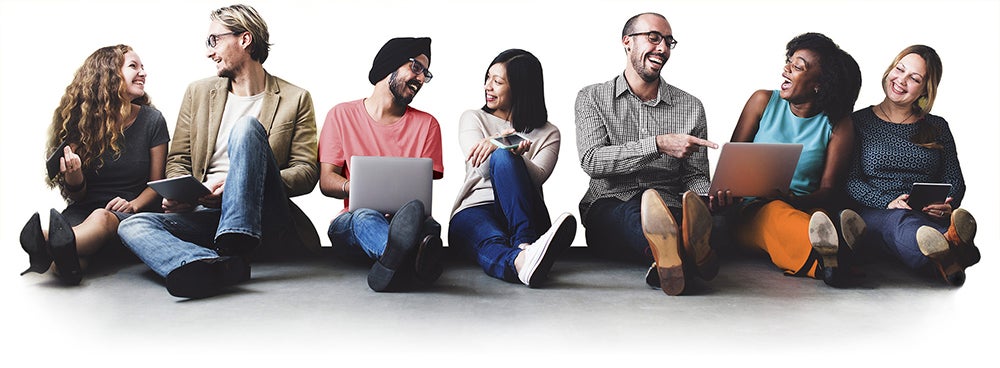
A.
pixel 922 102
pixel 816 89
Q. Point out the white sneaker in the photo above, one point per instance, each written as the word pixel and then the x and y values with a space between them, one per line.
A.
pixel 539 256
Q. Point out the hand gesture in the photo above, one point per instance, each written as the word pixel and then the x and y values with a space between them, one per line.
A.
pixel 70 166
pixel 681 145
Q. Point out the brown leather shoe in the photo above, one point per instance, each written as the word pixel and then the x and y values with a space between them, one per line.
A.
pixel 660 229
pixel 696 228
pixel 852 227
pixel 960 236
pixel 934 245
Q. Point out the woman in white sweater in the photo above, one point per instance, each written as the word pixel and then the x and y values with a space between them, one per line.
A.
pixel 499 217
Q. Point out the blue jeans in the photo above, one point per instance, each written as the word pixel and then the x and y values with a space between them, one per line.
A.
pixel 614 229
pixel 894 231
pixel 364 233
pixel 491 233
pixel 254 203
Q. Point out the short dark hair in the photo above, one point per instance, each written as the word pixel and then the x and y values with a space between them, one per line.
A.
pixel 527 90
pixel 840 76
pixel 629 27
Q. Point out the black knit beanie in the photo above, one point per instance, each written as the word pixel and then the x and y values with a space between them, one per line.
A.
pixel 396 52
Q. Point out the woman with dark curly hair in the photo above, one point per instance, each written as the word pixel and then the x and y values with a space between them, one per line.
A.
pixel 109 142
pixel 813 108
pixel 901 143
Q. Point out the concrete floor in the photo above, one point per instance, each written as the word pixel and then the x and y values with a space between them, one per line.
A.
pixel 592 311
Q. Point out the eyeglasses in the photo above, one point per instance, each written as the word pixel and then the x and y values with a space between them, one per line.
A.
pixel 418 68
pixel 655 37
pixel 213 39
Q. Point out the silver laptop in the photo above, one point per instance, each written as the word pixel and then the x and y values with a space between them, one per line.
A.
pixel 755 169
pixel 385 184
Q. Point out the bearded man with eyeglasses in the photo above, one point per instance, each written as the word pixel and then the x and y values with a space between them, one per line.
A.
pixel 404 248
pixel 643 142
pixel 249 137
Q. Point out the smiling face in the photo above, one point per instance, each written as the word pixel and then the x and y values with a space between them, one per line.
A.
pixel 905 82
pixel 404 83
pixel 801 74
pixel 497 88
pixel 133 76
pixel 645 58
pixel 229 52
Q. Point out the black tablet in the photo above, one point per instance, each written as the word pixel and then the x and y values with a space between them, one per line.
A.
pixel 182 188
pixel 923 194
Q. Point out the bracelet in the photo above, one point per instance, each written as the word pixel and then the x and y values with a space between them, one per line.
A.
pixel 343 187
pixel 75 188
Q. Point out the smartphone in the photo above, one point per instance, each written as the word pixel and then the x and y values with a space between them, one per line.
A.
pixel 509 141
pixel 52 163
pixel 923 194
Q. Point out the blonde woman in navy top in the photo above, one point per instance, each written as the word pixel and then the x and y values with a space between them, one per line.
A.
pixel 901 143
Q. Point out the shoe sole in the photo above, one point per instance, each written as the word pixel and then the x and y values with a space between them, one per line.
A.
pixel 852 226
pixel 961 235
pixel 660 229
pixel 400 246
pixel 63 243
pixel 934 245
pixel 823 237
pixel 559 242
pixel 696 230
pixel 33 243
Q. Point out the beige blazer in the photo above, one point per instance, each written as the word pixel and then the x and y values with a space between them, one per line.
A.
pixel 290 122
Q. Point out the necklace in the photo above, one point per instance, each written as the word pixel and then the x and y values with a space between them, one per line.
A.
pixel 889 118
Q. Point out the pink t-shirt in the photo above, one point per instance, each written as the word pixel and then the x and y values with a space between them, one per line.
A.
pixel 350 131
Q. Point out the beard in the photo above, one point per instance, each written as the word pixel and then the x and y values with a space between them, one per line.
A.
pixel 639 64
pixel 400 89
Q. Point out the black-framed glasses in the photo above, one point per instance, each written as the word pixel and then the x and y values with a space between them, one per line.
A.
pixel 418 68
pixel 655 37
pixel 213 39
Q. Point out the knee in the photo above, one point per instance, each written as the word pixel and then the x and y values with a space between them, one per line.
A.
pixel 245 128
pixel 104 219
pixel 501 160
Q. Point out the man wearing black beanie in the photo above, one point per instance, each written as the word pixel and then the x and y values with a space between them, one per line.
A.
pixel 405 246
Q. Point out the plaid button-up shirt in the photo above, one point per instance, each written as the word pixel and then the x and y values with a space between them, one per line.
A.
pixel 616 139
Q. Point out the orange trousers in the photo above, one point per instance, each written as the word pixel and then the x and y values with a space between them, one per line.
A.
pixel 781 231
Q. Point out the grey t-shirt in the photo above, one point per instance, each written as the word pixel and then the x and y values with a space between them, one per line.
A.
pixel 126 175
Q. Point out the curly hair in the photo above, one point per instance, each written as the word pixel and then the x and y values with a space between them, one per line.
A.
pixel 840 76
pixel 92 111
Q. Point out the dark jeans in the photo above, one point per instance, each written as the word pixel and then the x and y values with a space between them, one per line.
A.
pixel 614 229
pixel 894 231
pixel 491 233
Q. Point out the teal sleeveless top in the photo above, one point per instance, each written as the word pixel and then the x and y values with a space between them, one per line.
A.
pixel 779 125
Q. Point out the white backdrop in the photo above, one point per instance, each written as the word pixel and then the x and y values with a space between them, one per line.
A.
pixel 726 50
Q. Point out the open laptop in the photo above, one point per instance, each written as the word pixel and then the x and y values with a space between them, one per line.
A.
pixel 755 169
pixel 385 184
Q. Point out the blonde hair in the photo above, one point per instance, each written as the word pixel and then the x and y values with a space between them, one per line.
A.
pixel 927 134
pixel 241 18
pixel 92 111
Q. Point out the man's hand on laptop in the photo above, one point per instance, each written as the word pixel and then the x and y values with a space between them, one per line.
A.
pixel 681 145
pixel 722 201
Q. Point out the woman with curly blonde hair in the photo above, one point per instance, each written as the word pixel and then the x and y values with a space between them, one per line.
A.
pixel 109 142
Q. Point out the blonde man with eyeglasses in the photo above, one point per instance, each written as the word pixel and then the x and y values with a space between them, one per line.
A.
pixel 249 137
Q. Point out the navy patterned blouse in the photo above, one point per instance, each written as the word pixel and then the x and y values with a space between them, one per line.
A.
pixel 886 163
